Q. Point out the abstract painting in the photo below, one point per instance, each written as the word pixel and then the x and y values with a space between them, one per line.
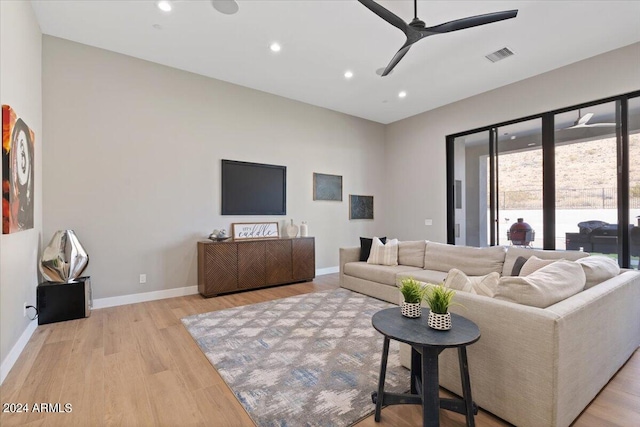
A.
pixel 360 207
pixel 327 187
pixel 17 173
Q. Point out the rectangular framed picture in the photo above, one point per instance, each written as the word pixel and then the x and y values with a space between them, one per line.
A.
pixel 18 173
pixel 327 187
pixel 255 230
pixel 360 207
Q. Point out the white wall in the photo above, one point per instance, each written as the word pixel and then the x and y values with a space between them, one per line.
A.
pixel 132 163
pixel 20 88
pixel 415 147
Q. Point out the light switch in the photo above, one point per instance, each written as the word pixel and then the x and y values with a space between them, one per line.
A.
pixel 428 222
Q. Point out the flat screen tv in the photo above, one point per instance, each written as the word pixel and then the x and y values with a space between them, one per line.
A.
pixel 253 188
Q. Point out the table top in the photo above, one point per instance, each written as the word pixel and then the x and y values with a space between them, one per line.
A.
pixel 415 331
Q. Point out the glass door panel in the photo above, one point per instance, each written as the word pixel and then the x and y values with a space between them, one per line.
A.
pixel 634 181
pixel 471 198
pixel 586 180
pixel 519 184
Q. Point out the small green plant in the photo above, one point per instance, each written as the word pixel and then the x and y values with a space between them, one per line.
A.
pixel 439 298
pixel 412 290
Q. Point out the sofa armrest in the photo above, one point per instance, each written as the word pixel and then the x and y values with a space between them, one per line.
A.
pixel 351 254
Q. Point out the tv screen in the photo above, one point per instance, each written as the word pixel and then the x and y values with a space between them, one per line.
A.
pixel 253 189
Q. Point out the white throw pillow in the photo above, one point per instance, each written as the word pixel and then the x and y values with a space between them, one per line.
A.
pixel 533 264
pixel 480 285
pixel 544 287
pixel 598 269
pixel 384 254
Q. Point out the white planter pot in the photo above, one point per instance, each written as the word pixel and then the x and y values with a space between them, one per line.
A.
pixel 411 309
pixel 441 322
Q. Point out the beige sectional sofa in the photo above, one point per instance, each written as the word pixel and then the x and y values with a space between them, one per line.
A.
pixel 532 366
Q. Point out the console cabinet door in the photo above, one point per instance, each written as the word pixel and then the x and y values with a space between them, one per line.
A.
pixel 279 269
pixel 218 269
pixel 251 265
pixel 304 258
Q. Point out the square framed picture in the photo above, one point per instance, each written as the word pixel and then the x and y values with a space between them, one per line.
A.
pixel 327 187
pixel 360 207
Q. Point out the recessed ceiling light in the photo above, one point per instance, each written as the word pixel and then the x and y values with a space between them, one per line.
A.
pixel 164 6
pixel 513 137
pixel 157 26
pixel 348 74
pixel 402 94
pixel 531 144
pixel 275 47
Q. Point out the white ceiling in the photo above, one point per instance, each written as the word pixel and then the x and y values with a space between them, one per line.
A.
pixel 321 39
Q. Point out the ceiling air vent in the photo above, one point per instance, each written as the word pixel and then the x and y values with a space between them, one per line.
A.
pixel 499 55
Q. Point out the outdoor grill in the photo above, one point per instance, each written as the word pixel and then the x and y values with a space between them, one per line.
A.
pixel 521 233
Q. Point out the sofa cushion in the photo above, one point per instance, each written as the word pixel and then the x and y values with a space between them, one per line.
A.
pixel 517 266
pixel 411 253
pixel 534 264
pixel 365 247
pixel 377 273
pixel 544 287
pixel 384 253
pixel 425 276
pixel 481 285
pixel 513 252
pixel 472 261
pixel 597 269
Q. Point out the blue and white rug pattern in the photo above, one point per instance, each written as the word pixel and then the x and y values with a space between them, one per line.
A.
pixel 308 360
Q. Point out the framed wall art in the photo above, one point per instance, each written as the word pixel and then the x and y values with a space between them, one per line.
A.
pixel 255 230
pixel 17 173
pixel 360 207
pixel 327 187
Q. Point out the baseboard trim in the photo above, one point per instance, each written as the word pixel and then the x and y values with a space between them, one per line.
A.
pixel 328 270
pixel 143 297
pixel 16 351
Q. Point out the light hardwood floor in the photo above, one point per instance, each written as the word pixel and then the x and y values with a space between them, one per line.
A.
pixel 136 365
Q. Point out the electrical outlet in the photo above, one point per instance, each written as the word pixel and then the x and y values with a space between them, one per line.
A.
pixel 143 278
pixel 24 310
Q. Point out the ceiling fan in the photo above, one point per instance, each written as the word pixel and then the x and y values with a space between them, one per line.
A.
pixel 416 30
pixel 583 122
pixel 228 7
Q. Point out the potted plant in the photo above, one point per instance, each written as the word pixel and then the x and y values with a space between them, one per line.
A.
pixel 413 292
pixel 439 299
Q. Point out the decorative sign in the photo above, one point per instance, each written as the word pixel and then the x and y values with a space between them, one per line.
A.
pixel 255 230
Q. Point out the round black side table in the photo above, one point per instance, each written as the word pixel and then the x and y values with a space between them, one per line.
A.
pixel 426 344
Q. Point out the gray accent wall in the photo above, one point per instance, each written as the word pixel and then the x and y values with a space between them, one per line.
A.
pixel 20 87
pixel 415 147
pixel 132 163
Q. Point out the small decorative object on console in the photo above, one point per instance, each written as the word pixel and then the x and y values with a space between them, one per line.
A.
pixel 291 230
pixel 64 259
pixel 218 235
pixel 439 299
pixel 413 293
pixel 304 229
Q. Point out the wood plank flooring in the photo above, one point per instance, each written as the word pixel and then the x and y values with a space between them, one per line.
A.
pixel 136 365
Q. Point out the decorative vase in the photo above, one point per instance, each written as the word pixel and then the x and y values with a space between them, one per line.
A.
pixel 411 309
pixel 441 322
pixel 304 229
pixel 292 230
pixel 64 259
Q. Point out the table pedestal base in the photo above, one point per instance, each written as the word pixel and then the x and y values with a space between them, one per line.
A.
pixel 425 386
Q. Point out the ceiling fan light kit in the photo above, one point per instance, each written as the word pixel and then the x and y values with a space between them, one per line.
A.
pixel 416 29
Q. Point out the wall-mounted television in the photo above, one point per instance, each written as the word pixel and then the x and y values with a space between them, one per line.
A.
pixel 253 188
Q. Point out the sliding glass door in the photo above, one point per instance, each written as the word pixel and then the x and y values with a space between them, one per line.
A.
pixel 564 179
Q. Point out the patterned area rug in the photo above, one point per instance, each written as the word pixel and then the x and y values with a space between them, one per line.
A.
pixel 308 360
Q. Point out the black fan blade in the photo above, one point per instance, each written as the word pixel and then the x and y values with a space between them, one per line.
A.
pixel 397 57
pixel 472 21
pixel 383 13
